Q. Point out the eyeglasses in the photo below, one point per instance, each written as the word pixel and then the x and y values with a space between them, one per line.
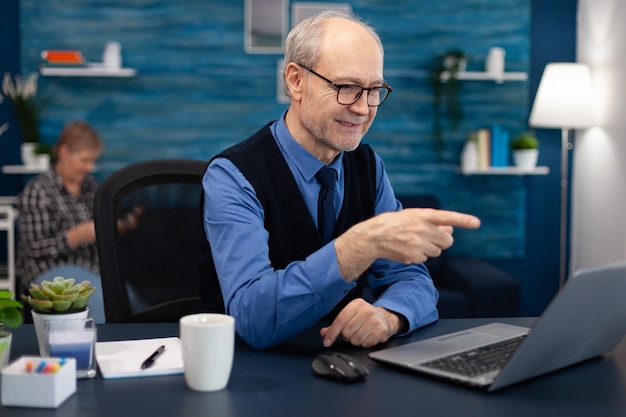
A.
pixel 350 93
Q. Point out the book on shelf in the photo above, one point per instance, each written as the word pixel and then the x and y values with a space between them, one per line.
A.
pixel 62 58
pixel 492 145
pixel 483 143
pixel 499 147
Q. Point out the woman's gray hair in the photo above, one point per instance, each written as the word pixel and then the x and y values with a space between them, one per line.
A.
pixel 304 41
pixel 78 135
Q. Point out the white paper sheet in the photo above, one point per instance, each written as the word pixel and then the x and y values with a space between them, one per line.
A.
pixel 123 359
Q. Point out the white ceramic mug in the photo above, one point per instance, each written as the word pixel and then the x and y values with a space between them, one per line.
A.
pixel 208 341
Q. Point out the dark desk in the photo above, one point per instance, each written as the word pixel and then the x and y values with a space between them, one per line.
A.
pixel 279 382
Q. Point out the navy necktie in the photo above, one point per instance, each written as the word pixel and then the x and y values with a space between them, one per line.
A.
pixel 325 208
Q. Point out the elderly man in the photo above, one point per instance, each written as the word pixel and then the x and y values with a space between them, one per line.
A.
pixel 293 246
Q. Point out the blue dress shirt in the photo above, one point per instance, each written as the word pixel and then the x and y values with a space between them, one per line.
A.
pixel 272 305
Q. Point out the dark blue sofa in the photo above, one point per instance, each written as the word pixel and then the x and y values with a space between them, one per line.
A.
pixel 468 287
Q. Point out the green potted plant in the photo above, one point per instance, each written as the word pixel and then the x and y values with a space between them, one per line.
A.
pixel 22 93
pixel 43 153
pixel 446 89
pixel 454 60
pixel 525 149
pixel 59 299
pixel 10 316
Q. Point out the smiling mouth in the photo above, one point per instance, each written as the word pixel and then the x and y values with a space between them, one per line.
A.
pixel 348 124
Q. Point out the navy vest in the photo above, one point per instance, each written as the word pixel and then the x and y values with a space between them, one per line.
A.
pixel 292 232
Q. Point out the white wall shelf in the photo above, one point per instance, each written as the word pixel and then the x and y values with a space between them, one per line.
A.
pixel 485 76
pixel 89 71
pixel 540 170
pixel 8 214
pixel 22 169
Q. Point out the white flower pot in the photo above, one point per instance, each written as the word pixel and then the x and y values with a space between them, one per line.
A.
pixel 450 62
pixel 5 348
pixel 526 159
pixel 43 161
pixel 29 158
pixel 39 319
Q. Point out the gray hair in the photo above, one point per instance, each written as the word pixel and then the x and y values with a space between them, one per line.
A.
pixel 303 41
pixel 78 135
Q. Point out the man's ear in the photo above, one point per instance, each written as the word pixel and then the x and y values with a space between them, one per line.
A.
pixel 293 80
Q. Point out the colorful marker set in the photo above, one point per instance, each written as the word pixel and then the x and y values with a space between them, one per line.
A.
pixel 43 367
pixel 52 378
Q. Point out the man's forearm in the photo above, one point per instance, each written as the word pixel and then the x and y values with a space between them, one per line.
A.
pixel 354 252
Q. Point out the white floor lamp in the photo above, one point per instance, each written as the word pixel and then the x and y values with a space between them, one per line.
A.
pixel 564 100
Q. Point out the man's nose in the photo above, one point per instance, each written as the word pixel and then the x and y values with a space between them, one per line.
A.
pixel 360 106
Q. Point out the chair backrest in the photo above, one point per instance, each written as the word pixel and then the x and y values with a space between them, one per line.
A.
pixel 156 262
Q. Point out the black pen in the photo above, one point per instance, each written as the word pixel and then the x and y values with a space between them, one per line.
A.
pixel 150 361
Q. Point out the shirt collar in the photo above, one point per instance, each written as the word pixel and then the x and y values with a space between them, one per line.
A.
pixel 56 179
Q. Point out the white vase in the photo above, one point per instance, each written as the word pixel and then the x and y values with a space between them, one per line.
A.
pixel 29 158
pixel 112 55
pixel 525 159
pixel 39 320
pixel 494 64
pixel 469 156
pixel 5 348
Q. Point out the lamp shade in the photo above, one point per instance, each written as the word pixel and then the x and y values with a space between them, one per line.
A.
pixel 564 97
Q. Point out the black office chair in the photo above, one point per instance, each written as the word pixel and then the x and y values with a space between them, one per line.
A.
pixel 152 272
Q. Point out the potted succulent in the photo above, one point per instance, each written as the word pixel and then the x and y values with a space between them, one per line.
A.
pixel 446 89
pixel 10 316
pixel 525 148
pixel 59 299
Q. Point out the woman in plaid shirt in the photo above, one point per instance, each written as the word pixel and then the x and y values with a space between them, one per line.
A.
pixel 56 229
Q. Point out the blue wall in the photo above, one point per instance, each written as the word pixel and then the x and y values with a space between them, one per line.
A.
pixel 553 39
pixel 198 91
pixel 9 62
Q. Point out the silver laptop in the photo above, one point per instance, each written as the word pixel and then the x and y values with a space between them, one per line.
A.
pixel 587 318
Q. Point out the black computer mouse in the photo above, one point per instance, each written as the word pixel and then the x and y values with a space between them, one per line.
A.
pixel 339 367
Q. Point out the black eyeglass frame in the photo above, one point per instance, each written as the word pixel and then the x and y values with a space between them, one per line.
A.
pixel 340 86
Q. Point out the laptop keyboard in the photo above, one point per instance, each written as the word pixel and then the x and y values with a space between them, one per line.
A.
pixel 478 361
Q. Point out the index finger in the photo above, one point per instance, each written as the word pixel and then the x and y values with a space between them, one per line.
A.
pixel 329 334
pixel 453 218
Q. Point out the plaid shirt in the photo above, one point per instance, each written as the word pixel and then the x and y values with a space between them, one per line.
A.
pixel 46 212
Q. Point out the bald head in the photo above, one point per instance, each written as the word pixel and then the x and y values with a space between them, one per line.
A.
pixel 315 35
pixel 347 47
